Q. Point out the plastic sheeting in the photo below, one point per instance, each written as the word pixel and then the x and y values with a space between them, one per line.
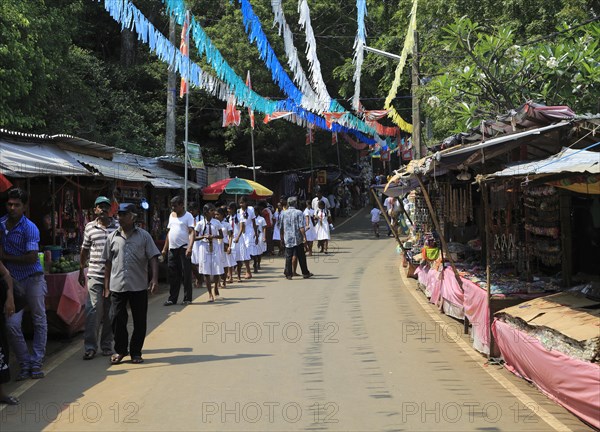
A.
pixel 567 161
pixel 32 160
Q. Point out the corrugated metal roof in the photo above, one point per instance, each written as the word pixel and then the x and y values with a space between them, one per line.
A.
pixel 567 161
pixel 110 169
pixel 57 139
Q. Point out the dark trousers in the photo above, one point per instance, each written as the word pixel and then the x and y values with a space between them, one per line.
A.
pixel 270 247
pixel 180 268
pixel 138 303
pixel 299 252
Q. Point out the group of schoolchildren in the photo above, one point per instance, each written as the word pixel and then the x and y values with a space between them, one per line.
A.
pixel 220 242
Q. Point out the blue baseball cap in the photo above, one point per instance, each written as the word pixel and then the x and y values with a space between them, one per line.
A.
pixel 127 208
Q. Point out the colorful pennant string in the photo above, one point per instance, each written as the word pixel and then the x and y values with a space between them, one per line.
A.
pixel 237 86
pixel 359 52
pixel 409 43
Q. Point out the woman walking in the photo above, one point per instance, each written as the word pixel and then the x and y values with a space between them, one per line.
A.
pixel 309 228
pixel 322 227
pixel 208 231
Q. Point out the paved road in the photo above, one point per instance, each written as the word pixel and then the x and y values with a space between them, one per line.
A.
pixel 355 348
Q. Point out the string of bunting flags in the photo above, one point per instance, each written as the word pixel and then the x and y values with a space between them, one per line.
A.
pixel 237 85
pixel 229 87
pixel 359 50
pixel 409 43
pixel 257 36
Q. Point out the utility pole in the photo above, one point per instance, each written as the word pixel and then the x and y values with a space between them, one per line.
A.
pixel 171 97
pixel 416 111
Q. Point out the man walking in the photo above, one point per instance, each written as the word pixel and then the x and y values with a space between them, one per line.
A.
pixel 179 244
pixel 97 307
pixel 127 253
pixel 294 238
pixel 19 253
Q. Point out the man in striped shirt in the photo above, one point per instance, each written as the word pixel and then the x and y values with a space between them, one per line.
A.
pixel 19 253
pixel 97 307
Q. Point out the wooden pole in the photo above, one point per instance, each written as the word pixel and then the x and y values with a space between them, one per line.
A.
pixel 387 220
pixel 488 259
pixel 437 227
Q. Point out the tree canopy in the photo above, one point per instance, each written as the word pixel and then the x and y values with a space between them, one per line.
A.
pixel 66 67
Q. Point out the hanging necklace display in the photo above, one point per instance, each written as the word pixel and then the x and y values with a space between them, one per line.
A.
pixel 543 224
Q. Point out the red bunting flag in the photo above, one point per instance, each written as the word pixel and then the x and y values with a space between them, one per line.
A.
pixel 231 116
pixel 330 117
pixel 185 50
pixel 309 136
pixel 5 184
pixel 276 115
pixel 250 110
pixel 334 138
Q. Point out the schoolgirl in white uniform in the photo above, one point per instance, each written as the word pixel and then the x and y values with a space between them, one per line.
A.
pixel 309 227
pixel 208 231
pixel 227 258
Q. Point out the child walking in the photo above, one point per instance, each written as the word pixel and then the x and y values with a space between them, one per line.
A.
pixel 208 231
pixel 322 227
pixel 375 218
pixel 227 259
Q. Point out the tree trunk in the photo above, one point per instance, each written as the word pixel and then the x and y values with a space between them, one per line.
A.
pixel 127 48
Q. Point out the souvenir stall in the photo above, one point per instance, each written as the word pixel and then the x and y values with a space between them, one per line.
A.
pixel 554 341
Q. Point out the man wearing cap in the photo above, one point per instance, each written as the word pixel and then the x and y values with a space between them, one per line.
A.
pixel 127 253
pixel 97 307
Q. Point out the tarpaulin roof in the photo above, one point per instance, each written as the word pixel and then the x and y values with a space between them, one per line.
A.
pixel 158 176
pixel 110 169
pixel 567 161
pixel 32 160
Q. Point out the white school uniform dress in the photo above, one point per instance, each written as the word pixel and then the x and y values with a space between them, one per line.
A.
pixel 248 236
pixel 322 225
pixel 209 258
pixel 262 226
pixel 196 247
pixel 238 250
pixel 276 226
pixel 228 258
pixel 311 232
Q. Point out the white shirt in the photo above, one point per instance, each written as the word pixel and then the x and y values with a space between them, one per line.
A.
pixel 179 230
pixel 375 214
pixel 315 203
pixel 204 228
pixel 247 216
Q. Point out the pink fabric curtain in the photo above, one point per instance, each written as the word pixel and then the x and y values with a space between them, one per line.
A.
pixel 570 382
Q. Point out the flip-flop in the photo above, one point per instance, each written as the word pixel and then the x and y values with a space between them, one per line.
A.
pixel 9 400
pixel 117 358
pixel 89 354
pixel 137 360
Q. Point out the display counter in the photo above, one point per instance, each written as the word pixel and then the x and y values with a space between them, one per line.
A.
pixel 442 289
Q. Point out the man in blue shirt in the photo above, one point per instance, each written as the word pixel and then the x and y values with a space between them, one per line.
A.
pixel 19 253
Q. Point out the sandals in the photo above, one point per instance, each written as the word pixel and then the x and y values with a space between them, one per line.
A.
pixel 9 400
pixel 89 354
pixel 137 359
pixel 116 359
pixel 37 373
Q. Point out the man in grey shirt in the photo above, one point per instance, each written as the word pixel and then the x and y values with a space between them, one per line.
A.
pixel 294 238
pixel 127 253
